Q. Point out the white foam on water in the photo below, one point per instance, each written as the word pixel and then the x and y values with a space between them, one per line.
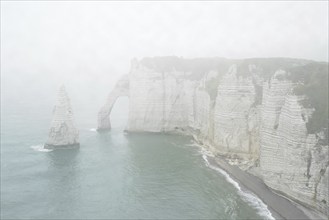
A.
pixel 194 144
pixel 224 173
pixel 206 153
pixel 250 198
pixel 258 204
pixel 40 148
pixel 92 129
pixel 202 150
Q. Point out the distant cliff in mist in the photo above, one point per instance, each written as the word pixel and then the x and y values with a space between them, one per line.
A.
pixel 269 114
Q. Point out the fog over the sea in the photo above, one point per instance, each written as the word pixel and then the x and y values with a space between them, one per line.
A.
pixel 87 45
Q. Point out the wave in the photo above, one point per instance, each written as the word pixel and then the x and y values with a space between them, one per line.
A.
pixel 249 197
pixel 92 129
pixel 194 144
pixel 202 149
pixel 224 173
pixel 40 148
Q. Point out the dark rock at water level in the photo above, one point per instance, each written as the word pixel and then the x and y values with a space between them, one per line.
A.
pixel 68 146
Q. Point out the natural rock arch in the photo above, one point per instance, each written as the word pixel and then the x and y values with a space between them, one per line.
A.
pixel 120 89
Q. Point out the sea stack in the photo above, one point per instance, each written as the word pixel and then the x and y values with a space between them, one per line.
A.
pixel 63 133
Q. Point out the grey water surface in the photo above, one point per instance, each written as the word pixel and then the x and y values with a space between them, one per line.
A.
pixel 112 175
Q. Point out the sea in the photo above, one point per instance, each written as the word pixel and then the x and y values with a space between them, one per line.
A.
pixel 113 175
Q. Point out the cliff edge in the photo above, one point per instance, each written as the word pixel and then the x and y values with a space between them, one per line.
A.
pixel 267 115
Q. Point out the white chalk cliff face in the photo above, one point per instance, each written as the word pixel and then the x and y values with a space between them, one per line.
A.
pixel 271 115
pixel 62 133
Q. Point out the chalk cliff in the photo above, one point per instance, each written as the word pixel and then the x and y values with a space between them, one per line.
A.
pixel 62 133
pixel 269 116
pixel 121 89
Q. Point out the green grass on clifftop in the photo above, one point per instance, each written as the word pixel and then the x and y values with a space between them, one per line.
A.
pixel 195 68
pixel 311 76
pixel 313 83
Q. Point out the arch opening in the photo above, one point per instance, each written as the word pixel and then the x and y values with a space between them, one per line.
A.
pixel 120 90
pixel 119 113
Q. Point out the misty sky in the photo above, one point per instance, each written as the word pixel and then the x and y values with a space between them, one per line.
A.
pixel 46 43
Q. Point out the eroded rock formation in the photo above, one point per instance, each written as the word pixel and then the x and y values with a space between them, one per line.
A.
pixel 63 133
pixel 271 115
pixel 121 89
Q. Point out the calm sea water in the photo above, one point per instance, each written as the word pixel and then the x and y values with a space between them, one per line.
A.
pixel 112 175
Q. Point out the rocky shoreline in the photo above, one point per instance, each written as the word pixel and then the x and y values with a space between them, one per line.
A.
pixel 267 115
pixel 280 207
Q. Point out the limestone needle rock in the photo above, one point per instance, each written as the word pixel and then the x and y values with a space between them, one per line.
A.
pixel 63 133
